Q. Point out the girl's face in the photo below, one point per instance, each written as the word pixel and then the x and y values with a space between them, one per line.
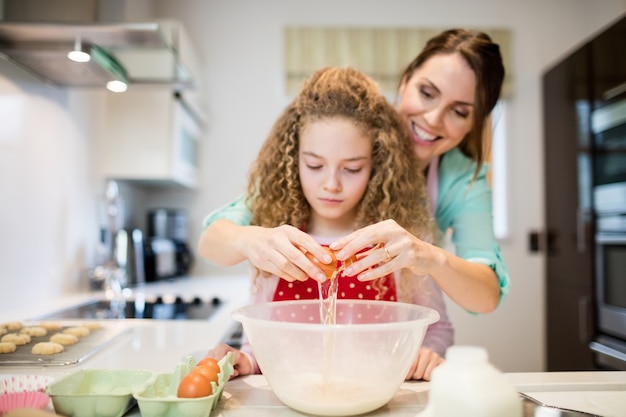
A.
pixel 438 103
pixel 335 162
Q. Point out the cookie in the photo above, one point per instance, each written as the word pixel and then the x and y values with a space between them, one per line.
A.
pixel 13 325
pixel 91 325
pixel 17 338
pixel 50 326
pixel 3 330
pixel 64 338
pixel 34 331
pixel 7 347
pixel 78 331
pixel 46 348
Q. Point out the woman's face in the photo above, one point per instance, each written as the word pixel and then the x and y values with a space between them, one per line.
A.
pixel 438 104
pixel 335 161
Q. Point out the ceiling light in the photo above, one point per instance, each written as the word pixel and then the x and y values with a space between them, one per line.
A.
pixel 117 86
pixel 78 54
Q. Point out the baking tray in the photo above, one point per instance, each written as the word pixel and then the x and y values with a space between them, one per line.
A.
pixel 602 394
pixel 88 345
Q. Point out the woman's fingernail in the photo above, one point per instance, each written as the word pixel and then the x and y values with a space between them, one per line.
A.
pixel 363 276
pixel 349 272
pixel 327 259
pixel 320 277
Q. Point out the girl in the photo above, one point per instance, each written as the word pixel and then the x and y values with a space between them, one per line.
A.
pixel 339 158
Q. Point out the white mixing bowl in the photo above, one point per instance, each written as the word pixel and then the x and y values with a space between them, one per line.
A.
pixel 348 368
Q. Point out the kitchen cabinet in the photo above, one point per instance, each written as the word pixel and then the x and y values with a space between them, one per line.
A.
pixel 608 62
pixel 154 129
pixel 152 136
pixel 569 257
pixel 588 78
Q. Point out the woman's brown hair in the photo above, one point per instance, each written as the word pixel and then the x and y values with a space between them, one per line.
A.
pixel 484 58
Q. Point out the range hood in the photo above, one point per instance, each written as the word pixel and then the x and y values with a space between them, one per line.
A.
pixel 137 53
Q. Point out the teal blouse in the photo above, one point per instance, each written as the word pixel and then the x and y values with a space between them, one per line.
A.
pixel 465 206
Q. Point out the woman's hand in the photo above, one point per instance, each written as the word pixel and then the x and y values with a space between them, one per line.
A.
pixel 241 363
pixel 277 250
pixel 423 365
pixel 473 286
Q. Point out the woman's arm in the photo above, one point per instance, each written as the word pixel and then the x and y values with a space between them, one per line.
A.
pixel 475 277
pixel 471 285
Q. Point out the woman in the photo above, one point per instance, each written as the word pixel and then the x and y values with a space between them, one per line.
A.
pixel 445 96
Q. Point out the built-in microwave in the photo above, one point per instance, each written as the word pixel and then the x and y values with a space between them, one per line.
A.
pixel 608 126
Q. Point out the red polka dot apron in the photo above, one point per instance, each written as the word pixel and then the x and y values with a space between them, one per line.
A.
pixel 349 288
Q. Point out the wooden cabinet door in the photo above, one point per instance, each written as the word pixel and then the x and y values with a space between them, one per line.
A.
pixel 569 257
pixel 608 57
pixel 569 329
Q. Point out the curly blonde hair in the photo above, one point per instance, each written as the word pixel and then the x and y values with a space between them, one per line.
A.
pixel 396 186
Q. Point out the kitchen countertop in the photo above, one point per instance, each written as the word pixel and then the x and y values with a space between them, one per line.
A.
pixel 159 345
pixel 603 393
pixel 156 345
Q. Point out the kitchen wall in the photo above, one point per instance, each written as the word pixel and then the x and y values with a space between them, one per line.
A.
pixel 50 177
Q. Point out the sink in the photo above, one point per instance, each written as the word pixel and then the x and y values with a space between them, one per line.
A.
pixel 161 308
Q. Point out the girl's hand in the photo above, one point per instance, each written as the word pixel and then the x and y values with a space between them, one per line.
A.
pixel 423 365
pixel 280 251
pixel 241 364
pixel 392 248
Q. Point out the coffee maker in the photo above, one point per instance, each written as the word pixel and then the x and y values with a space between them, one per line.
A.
pixel 166 251
pixel 120 251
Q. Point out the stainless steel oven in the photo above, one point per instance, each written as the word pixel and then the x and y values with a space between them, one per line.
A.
pixel 609 345
pixel 608 127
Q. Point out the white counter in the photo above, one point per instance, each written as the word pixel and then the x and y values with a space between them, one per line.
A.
pixel 158 346
pixel 602 393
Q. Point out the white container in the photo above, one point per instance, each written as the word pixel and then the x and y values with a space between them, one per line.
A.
pixel 349 368
pixel 467 385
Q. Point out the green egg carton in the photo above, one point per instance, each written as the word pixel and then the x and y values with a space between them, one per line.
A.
pixel 159 399
pixel 97 392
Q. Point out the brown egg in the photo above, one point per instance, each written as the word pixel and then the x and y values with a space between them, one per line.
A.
pixel 328 269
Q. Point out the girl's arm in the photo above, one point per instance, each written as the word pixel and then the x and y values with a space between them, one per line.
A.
pixel 229 239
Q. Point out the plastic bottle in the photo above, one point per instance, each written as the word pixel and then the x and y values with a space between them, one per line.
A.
pixel 467 385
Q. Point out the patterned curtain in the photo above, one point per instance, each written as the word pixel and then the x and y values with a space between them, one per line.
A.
pixel 381 53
